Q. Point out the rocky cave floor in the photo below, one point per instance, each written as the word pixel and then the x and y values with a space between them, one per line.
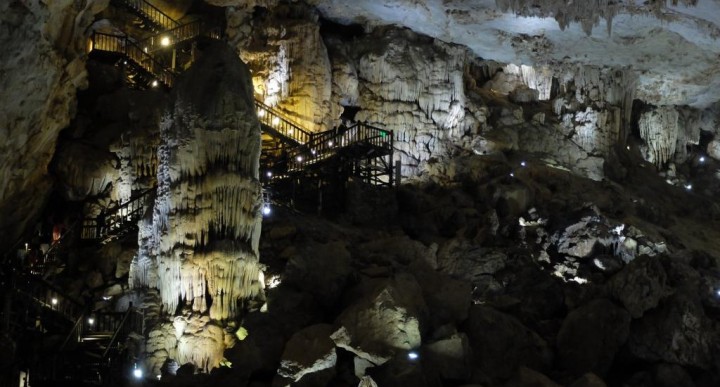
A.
pixel 541 278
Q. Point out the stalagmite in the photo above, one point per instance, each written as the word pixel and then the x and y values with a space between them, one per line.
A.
pixel 659 129
pixel 201 247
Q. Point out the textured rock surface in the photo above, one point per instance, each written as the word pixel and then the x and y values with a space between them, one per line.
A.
pixel 201 247
pixel 385 322
pixel 591 335
pixel 308 351
pixel 42 47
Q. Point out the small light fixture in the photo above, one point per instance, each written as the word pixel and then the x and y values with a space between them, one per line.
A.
pixel 107 298
pixel 717 292
pixel 54 301
pixel 688 187
pixel 330 143
pixel 124 62
pixel 91 321
pixel 412 355
pixel 159 377
pixel 268 174
pixel 165 41
pixel 702 159
pixel 266 210
pixel 275 121
pixel 299 159
pixel 312 151
pixel 512 174
pixel 628 147
pixel 154 83
pixel 523 163
pixel 145 49
pixel 137 372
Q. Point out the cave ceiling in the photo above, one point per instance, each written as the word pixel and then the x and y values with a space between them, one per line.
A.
pixel 673 47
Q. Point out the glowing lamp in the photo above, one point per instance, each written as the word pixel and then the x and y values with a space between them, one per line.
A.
pixel 137 373
pixel 165 41
pixel 312 151
pixel 702 159
pixel 512 174
pixel 717 292
pixel 91 321
pixel 330 143
pixel 412 355
pixel 299 159
pixel 688 187
pixel 523 164
pixel 268 174
pixel 154 83
pixel 266 210
pixel 54 301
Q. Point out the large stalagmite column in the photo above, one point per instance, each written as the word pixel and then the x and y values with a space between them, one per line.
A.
pixel 200 249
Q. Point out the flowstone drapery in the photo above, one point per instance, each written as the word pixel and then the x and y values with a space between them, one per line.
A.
pixel 200 249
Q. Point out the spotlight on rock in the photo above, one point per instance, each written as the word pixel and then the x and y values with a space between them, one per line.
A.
pixel 412 355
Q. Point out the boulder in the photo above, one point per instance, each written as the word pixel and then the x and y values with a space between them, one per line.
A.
pixel 590 337
pixel 308 351
pixel 320 270
pixel 462 259
pixel 526 377
pixel 589 380
pixel 448 299
pixel 678 332
pixel 640 286
pixel 450 358
pixel 384 322
pixel 501 344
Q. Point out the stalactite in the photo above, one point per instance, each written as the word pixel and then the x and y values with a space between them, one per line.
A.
pixel 659 130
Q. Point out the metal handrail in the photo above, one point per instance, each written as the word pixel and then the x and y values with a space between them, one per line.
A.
pixel 124 329
pixel 179 34
pixel 274 120
pixel 324 145
pixel 122 45
pixel 118 216
pixel 150 12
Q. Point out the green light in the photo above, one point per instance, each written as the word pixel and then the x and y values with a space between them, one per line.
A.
pixel 383 133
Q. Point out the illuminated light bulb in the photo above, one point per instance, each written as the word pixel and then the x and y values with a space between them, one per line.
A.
pixel 512 174
pixel 523 164
pixel 54 301
pixel 137 373
pixel 688 187
pixel 702 159
pixel 275 121
pixel 159 377
pixel 717 292
pixel 269 174
pixel 299 159
pixel 628 147
pixel 313 151
pixel 154 83
pixel 165 41
pixel 91 321
pixel 412 355
pixel 266 210
pixel 330 143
